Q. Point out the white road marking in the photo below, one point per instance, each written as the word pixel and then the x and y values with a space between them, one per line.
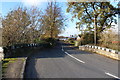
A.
pixel 75 58
pixel 62 48
pixel 111 75
pixel 84 62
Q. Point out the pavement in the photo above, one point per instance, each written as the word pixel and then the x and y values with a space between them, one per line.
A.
pixel 14 69
pixel 66 61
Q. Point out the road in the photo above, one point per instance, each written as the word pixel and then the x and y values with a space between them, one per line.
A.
pixel 66 61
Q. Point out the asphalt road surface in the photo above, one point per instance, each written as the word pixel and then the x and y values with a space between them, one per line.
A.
pixel 66 61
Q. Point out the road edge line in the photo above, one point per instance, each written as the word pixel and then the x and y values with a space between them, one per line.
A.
pixel 23 69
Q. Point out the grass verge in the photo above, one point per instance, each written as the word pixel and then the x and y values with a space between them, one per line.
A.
pixel 5 64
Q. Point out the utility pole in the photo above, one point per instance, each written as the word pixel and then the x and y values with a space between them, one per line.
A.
pixel 95 29
pixel 119 22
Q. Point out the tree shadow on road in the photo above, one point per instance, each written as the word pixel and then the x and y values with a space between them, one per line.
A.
pixel 73 49
pixel 54 52
pixel 30 71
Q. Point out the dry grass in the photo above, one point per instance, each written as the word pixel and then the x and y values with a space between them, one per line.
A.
pixel 111 46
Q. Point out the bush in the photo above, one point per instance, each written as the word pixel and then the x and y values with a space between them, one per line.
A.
pixel 106 39
pixel 71 40
pixel 51 41
pixel 88 38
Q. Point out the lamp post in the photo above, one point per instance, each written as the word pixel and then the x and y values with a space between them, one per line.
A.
pixel 119 21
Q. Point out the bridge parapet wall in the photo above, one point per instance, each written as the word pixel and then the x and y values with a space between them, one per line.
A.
pixel 102 51
pixel 1 53
pixel 9 49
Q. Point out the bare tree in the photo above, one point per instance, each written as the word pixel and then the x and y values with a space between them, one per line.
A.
pixel 52 20
pixel 14 25
pixel 0 31
pixel 34 29
pixel 21 26
pixel 107 37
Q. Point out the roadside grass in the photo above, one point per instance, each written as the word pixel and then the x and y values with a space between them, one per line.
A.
pixel 18 53
pixel 5 64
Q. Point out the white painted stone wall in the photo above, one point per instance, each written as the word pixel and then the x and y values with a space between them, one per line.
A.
pixel 103 51
pixel 1 53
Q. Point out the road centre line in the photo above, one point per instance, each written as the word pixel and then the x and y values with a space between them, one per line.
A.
pixel 84 62
pixel 112 75
pixel 62 48
pixel 74 57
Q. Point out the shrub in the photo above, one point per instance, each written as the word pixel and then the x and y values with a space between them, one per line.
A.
pixel 88 38
pixel 71 40
pixel 108 39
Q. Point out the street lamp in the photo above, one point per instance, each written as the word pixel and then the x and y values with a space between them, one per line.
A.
pixel 118 11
